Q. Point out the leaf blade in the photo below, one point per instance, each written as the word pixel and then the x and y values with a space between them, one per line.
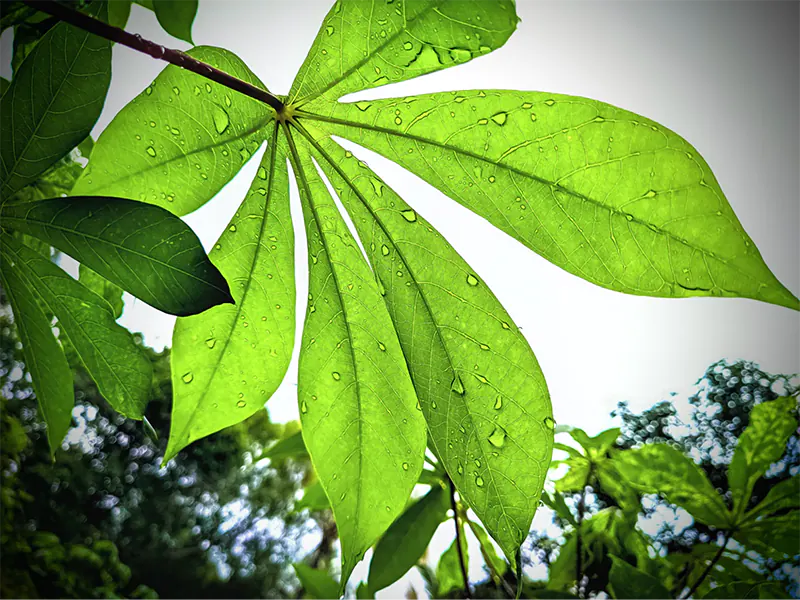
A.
pixel 629 582
pixel 140 247
pixel 176 17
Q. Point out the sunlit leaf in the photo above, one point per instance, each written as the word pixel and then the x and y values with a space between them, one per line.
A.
pixel 362 45
pixel 176 17
pixel 317 583
pixel 357 402
pixel 313 499
pixel 228 361
pixel 608 195
pixel 179 141
pixel 142 248
pixel 50 373
pixel 597 445
pixel 53 102
pixel 107 350
pixel 661 469
pixel 101 286
pixel 762 443
pixel 479 385
pixel 406 540
pixel 448 571
pixel 577 477
pixel 629 582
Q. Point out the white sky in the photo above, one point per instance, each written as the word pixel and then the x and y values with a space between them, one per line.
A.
pixel 722 75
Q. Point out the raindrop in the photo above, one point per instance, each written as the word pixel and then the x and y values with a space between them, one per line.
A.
pixel 479 481
pixel 211 342
pixel 151 151
pixel 148 90
pixel 227 101
pixel 241 404
pixel 409 215
pixel 460 469
pixel 329 30
pixel 188 377
pixel 550 423
pixel 382 346
pixel 472 280
pixel 408 45
pixel 232 228
pixel 457 385
pixel 500 118
pixel 506 325
pixel 478 463
pixel 550 102
pixel 336 376
pixel 385 250
pixel 484 347
pixel 208 88
pixel 498 402
pixel 498 437
pixel 303 407
pixel 262 173
pixel 398 121
pixel 176 91
pixel 362 106
pixel 650 194
pixel 405 466
pixel 221 119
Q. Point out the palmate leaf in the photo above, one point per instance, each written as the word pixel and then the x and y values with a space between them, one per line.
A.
pixel 52 103
pixel 50 373
pixel 144 249
pixel 661 469
pixel 357 403
pixel 479 386
pixel 608 195
pixel 762 443
pixel 226 362
pixel 107 350
pixel 179 141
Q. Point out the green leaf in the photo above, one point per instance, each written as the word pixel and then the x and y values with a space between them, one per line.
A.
pixel 608 195
pixel 363 593
pixel 557 503
pixel 176 17
pixel 576 478
pixel 493 561
pixel 365 438
pixel 55 182
pixel 448 571
pixel 615 486
pixel 629 582
pixel 597 445
pixel 289 447
pixel 777 533
pixel 479 385
pixel 406 540
pixel 50 373
pixel 317 583
pixel 661 469
pixel 362 45
pixel 228 361
pixel 142 248
pixel 782 496
pixel 762 443
pixel 179 141
pixel 107 350
pixel 749 589
pixel 101 286
pixel 313 499
pixel 118 13
pixel 53 102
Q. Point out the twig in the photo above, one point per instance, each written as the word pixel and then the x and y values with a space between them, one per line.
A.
pixel 461 561
pixel 136 42
pixel 707 570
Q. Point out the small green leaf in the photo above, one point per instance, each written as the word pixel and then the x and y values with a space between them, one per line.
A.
pixel 317 583
pixel 597 445
pixel 118 13
pixel 362 45
pixel 608 195
pixel 179 141
pixel 357 401
pixel 142 248
pixel 661 469
pixel 313 499
pixel 50 373
pixel 557 503
pixel 406 540
pixel 363 593
pixel 479 385
pixel 576 478
pixel 228 361
pixel 176 17
pixel 448 571
pixel 493 561
pixel 101 286
pixel 107 350
pixel 762 443
pixel 629 582
pixel 53 102
pixel 784 495
pixel 289 447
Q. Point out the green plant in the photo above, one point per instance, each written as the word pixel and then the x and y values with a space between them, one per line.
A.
pixel 405 347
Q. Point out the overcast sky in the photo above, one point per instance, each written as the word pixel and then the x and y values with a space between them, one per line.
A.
pixel 723 75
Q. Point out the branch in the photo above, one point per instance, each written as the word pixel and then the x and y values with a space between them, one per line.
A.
pixel 136 42
pixel 707 570
pixel 461 561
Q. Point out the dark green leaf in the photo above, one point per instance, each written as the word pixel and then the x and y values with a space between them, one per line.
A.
pixel 109 354
pixel 313 499
pixel 748 589
pixel 448 571
pixel 317 583
pixel 101 286
pixel 783 495
pixel 761 444
pixel 176 17
pixel 142 248
pixel 357 402
pixel 228 361
pixel 179 141
pixel 661 469
pixel 52 103
pixel 406 540
pixel 608 195
pixel 778 533
pixel 118 13
pixel 629 582
pixel 362 45
pixel 44 359
pixel 289 447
